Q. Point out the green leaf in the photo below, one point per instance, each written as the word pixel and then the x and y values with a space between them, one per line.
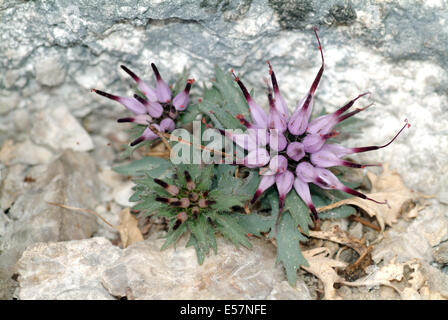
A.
pixel 201 237
pixel 336 213
pixel 153 166
pixel 298 210
pixel 255 223
pixel 222 118
pixel 231 191
pixel 174 235
pixel 190 113
pixel 230 91
pixel 323 198
pixel 181 82
pixel 148 205
pixel 288 248
pixel 231 230
pixel 206 178
pixel 223 101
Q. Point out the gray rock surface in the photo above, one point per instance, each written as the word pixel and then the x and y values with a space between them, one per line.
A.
pixel 68 270
pixel 414 239
pixel 70 180
pixel 53 52
pixel 95 269
pixel 440 253
pixel 145 272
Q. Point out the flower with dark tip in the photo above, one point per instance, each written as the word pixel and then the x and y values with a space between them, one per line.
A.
pixel 296 151
pixel 155 108
pixel 186 197
pixel 194 199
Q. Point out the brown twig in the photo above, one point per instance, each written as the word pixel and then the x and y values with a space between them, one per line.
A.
pixel 362 256
pixel 365 222
pixel 82 210
pixel 179 139
pixel 160 134
pixel 330 206
pixel 161 154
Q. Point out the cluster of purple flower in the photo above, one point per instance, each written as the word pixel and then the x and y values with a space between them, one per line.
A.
pixel 292 150
pixel 285 145
pixel 156 108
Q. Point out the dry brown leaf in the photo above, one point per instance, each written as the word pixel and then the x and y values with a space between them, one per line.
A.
pixel 417 287
pixel 323 268
pixel 335 234
pixel 128 227
pixel 387 186
pixel 356 269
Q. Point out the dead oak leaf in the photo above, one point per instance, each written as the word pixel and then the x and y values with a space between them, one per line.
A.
pixel 388 186
pixel 416 286
pixel 128 228
pixel 356 269
pixel 323 268
pixel 335 234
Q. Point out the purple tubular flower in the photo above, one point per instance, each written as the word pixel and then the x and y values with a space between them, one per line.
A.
pixel 154 108
pixel 325 159
pixel 129 103
pixel 149 92
pixel 303 190
pixel 295 150
pixel 140 119
pixel 251 140
pixel 181 100
pixel 284 183
pixel 327 180
pixel 163 92
pixel 280 103
pixel 278 164
pixel 256 158
pixel 258 115
pixel 167 125
pixel 324 124
pixel 299 120
pixel 275 119
pixel 304 153
pixel 265 183
pixel 147 135
pixel 277 140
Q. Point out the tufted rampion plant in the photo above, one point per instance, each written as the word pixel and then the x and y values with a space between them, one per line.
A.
pixel 294 154
pixel 196 199
pixel 152 107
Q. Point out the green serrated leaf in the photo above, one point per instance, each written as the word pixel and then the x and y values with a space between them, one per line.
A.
pixel 205 180
pixel 231 191
pixel 232 94
pixel 201 238
pixel 288 248
pixel 174 235
pixel 234 232
pixel 298 210
pixel 190 113
pixel 222 118
pixel 148 205
pixel 336 213
pixel 153 166
pixel 180 83
pixel 255 223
